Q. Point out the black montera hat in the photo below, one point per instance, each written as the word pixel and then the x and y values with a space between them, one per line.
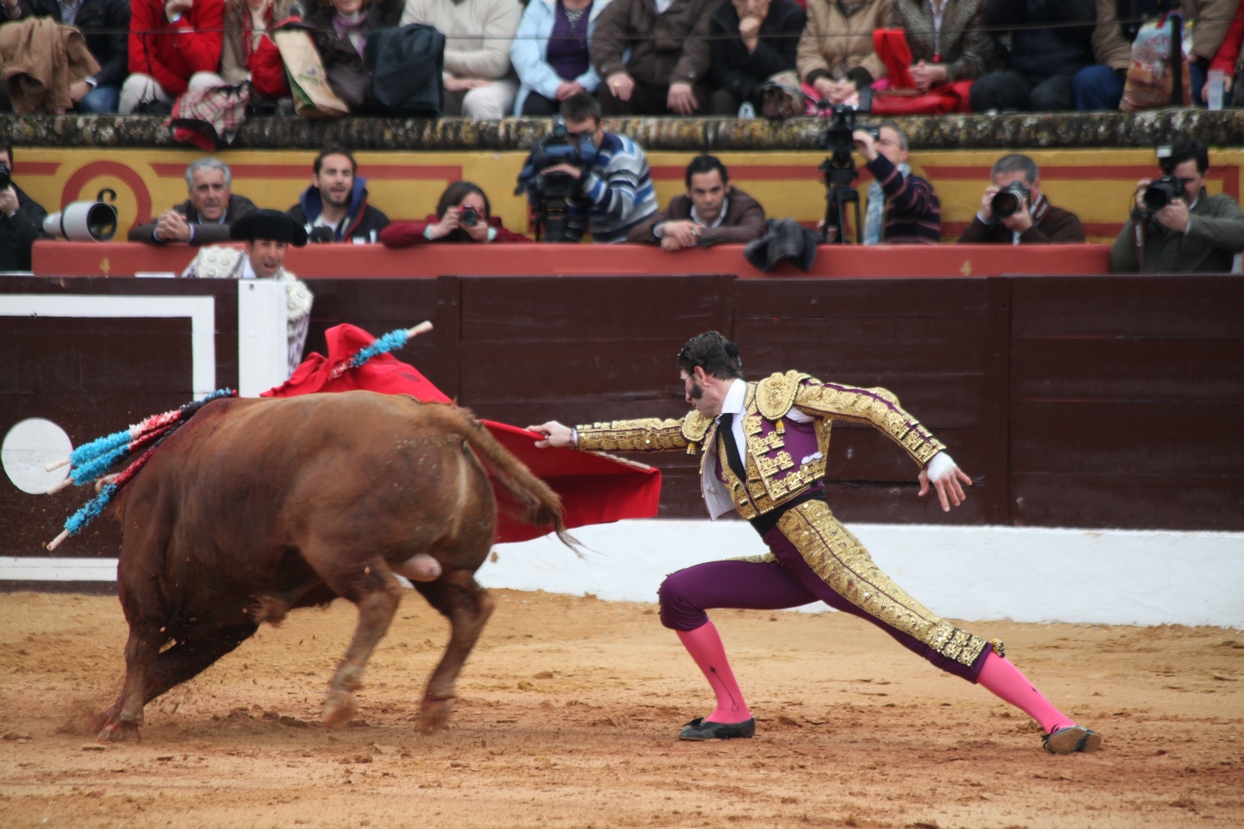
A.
pixel 269 224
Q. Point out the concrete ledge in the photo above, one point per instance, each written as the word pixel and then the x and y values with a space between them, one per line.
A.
pixel 947 132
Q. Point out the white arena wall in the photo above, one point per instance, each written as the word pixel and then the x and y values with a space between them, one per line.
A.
pixel 963 572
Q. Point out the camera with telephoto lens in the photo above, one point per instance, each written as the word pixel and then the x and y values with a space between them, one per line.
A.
pixel 1009 200
pixel 1162 192
pixel 85 221
pixel 469 216
pixel 6 178
pixel 550 192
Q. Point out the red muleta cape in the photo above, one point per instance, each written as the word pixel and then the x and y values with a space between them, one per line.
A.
pixel 594 489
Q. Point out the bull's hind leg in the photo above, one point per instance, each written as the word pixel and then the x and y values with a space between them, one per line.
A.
pixel 376 592
pixel 467 606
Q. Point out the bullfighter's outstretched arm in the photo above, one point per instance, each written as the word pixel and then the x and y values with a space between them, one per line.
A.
pixel 643 435
pixel 876 407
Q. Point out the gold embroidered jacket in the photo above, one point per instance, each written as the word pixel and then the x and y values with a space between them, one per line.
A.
pixel 783 457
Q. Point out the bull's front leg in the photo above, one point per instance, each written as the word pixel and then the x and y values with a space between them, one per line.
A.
pixel 467 606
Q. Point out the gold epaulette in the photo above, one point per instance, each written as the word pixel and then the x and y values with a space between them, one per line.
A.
pixel 694 428
pixel 776 393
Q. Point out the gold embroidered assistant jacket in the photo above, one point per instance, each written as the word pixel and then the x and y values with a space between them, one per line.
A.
pixel 784 457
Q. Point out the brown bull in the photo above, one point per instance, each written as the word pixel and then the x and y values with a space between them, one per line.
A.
pixel 259 506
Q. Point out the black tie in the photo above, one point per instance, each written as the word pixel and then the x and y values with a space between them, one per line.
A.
pixel 725 431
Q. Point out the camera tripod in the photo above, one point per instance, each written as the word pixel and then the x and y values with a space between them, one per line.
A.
pixel 838 173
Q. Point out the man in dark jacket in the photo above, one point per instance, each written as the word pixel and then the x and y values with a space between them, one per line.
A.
pixel 105 23
pixel 1023 216
pixel 712 212
pixel 203 219
pixel 334 208
pixel 1047 50
pixel 21 220
pixel 667 70
pixel 751 41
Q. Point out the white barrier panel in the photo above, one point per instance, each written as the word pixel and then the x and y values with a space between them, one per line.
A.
pixel 962 572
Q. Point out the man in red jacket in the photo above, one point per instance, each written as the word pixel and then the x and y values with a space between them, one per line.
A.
pixel 174 48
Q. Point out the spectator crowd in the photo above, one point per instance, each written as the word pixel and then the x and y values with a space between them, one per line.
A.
pixel 493 58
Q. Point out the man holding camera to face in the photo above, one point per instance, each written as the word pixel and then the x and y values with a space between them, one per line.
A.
pixel 21 218
pixel 1014 211
pixel 1175 226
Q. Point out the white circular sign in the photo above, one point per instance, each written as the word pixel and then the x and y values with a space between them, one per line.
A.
pixel 28 448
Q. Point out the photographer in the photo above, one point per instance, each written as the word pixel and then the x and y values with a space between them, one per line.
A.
pixel 902 208
pixel 612 192
pixel 1014 212
pixel 1175 226
pixel 463 214
pixel 334 208
pixel 21 219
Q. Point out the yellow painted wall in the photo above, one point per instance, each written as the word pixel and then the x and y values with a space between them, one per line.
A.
pixel 1095 184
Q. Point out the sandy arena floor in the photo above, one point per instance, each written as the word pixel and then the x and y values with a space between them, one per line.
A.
pixel 568 714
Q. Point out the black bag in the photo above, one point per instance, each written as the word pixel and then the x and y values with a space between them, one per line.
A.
pixel 406 65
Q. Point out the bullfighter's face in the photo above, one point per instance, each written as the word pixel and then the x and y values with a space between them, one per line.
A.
pixel 267 256
pixel 209 193
pixel 704 393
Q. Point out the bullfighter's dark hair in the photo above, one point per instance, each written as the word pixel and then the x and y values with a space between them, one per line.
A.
pixel 580 107
pixel 1183 150
pixel 702 164
pixel 713 353
pixel 327 151
pixel 456 192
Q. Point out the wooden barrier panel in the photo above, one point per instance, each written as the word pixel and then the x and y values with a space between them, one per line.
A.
pixel 1081 401
pixel 57 258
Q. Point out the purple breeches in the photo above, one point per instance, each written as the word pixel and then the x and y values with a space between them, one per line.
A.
pixel 787 582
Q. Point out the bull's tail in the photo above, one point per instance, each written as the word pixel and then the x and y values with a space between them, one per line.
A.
pixel 540 505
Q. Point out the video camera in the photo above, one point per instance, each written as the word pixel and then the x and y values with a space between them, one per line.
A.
pixel 838 171
pixel 550 193
pixel 1008 201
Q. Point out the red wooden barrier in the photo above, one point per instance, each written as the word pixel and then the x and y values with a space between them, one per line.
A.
pixel 56 258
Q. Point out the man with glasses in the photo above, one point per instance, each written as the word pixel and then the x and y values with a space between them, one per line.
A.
pixel 902 208
pixel 1176 227
pixel 1015 212
pixel 614 192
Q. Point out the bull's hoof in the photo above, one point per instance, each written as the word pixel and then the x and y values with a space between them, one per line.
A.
pixel 118 731
pixel 435 715
pixel 339 709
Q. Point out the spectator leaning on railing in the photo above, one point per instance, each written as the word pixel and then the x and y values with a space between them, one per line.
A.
pixel 334 208
pixel 205 217
pixel 1175 226
pixel 105 25
pixel 1015 212
pixel 713 211
pixel 174 47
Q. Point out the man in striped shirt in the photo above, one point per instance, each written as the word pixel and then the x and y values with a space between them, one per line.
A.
pixel 614 192
pixel 902 208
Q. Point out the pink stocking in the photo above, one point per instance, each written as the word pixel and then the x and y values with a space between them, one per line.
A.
pixel 704 645
pixel 1005 681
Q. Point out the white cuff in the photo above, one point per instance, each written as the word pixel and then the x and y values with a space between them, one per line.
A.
pixel 939 466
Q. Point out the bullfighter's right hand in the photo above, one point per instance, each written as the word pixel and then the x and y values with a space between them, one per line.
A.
pixel 556 435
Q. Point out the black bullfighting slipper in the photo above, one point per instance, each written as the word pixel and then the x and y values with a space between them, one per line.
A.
pixel 697 729
pixel 1071 739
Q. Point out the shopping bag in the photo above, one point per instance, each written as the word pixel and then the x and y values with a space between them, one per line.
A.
pixel 313 97
pixel 1149 76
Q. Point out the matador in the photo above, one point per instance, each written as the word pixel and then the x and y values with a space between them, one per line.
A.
pixel 763 449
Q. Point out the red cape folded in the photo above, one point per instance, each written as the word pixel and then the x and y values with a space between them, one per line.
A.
pixel 594 489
